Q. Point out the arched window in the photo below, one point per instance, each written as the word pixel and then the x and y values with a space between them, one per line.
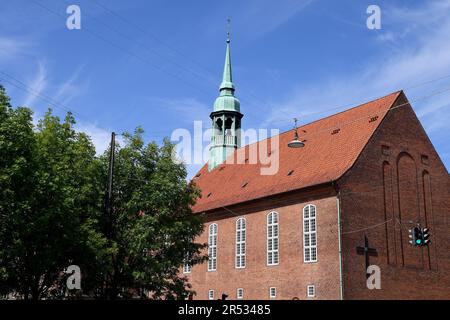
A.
pixel 240 242
pixel 272 239
pixel 212 247
pixel 309 234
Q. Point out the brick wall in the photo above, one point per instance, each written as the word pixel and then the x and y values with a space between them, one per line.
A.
pixel 292 275
pixel 399 178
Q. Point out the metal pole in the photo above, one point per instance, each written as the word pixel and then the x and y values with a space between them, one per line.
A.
pixel 110 185
pixel 341 280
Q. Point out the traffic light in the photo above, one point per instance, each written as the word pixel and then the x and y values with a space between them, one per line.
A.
pixel 425 236
pixel 419 236
pixel 415 236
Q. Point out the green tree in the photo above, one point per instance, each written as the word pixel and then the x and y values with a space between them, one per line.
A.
pixel 152 227
pixel 17 143
pixel 50 192
pixel 52 188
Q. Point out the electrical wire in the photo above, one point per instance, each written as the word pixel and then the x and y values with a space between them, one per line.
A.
pixel 125 50
pixel 349 105
pixel 341 125
pixel 254 96
pixel 147 48
pixel 46 98
pixel 153 36
pixel 159 68
pixel 307 135
pixel 259 115
pixel 53 103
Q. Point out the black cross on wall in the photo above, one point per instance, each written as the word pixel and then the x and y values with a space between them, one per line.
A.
pixel 366 251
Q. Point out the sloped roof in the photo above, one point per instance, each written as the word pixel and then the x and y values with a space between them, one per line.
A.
pixel 326 156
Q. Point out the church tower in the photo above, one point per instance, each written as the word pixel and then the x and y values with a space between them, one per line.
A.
pixel 226 118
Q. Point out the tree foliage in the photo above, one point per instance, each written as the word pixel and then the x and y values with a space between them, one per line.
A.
pixel 152 228
pixel 52 191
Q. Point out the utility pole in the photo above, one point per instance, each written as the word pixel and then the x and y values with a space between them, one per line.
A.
pixel 109 195
pixel 108 227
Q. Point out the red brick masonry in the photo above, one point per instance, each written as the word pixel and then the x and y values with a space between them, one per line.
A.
pixel 381 168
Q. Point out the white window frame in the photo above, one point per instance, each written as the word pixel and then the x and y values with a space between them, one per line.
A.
pixel 239 293
pixel 310 233
pixel 273 239
pixel 211 294
pixel 308 291
pixel 212 246
pixel 272 292
pixel 241 237
pixel 186 265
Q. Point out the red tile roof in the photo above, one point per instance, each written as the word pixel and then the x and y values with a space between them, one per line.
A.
pixel 326 156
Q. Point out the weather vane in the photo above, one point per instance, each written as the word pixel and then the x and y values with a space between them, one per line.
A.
pixel 228 29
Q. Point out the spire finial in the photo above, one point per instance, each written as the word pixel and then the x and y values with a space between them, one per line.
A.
pixel 227 87
pixel 228 29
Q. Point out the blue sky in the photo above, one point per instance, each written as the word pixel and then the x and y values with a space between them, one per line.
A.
pixel 158 64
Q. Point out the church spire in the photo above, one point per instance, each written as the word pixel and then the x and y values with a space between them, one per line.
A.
pixel 227 87
pixel 226 117
pixel 226 99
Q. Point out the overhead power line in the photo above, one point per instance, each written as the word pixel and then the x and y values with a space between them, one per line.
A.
pixel 348 105
pixel 53 103
pixel 153 36
pixel 125 50
pixel 351 121
pixel 48 99
pixel 131 53
pixel 148 48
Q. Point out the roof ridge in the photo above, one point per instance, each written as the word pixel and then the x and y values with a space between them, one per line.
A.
pixel 321 119
pixel 355 107
pixel 331 115
pixel 334 160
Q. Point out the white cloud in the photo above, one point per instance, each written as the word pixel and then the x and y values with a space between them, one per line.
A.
pixel 189 109
pixel 37 85
pixel 424 54
pixel 387 37
pixel 266 15
pixel 10 48
pixel 100 137
pixel 255 18
pixel 71 88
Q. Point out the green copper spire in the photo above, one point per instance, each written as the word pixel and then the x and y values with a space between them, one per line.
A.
pixel 226 99
pixel 227 79
pixel 226 118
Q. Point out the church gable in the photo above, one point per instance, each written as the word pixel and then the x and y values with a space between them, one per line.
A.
pixel 397 182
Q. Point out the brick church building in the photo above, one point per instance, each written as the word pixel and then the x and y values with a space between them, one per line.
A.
pixel 342 202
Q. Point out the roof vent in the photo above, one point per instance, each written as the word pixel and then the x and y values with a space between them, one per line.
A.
pixel 372 119
pixel 244 185
pixel 290 172
pixel 209 195
pixel 335 131
pixel 221 168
